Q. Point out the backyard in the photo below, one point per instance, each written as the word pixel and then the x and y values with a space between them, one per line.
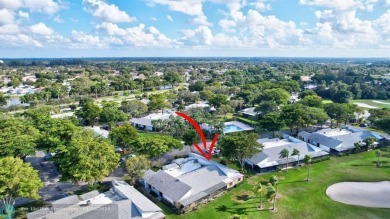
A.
pixel 301 199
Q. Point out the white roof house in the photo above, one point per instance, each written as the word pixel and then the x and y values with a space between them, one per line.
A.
pixel 146 121
pixel 122 201
pixel 249 111
pixel 187 181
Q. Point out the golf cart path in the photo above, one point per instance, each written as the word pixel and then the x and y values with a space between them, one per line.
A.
pixel 367 194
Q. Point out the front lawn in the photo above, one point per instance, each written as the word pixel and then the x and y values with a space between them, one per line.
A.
pixel 300 199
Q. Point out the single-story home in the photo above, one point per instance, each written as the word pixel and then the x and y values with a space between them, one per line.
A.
pixel 269 159
pixel 337 140
pixel 186 182
pixel 122 201
pixel 146 121
pixel 199 105
pixel 249 112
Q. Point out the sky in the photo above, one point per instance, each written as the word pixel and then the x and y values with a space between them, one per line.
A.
pixel 193 28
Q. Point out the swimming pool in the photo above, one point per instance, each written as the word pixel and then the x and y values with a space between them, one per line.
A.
pixel 231 128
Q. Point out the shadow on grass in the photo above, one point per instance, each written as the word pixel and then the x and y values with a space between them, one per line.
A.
pixel 236 210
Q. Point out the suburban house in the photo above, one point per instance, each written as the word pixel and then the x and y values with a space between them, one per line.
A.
pixel 337 140
pixel 122 201
pixel 249 112
pixel 269 159
pixel 199 105
pixel 186 182
pixel 145 123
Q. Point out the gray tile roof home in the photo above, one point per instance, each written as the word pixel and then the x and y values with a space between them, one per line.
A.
pixel 89 195
pixel 203 178
pixel 140 201
pixel 325 140
pixel 249 111
pixel 169 185
pixel 65 202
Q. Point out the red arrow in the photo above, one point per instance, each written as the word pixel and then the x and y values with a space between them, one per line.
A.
pixel 200 132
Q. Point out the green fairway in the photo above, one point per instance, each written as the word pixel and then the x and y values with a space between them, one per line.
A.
pixel 375 103
pixel 326 101
pixel 301 199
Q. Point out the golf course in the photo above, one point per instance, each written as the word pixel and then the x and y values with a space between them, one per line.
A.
pixel 298 198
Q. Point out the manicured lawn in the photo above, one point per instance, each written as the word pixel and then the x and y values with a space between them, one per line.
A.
pixel 301 199
pixel 326 101
pixel 372 103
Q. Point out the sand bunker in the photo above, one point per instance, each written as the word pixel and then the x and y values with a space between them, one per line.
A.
pixel 375 194
pixel 377 101
pixel 365 105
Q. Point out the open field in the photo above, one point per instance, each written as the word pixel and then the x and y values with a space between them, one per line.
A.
pixel 300 199
pixel 374 103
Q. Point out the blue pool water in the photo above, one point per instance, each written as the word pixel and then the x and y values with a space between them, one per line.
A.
pixel 232 128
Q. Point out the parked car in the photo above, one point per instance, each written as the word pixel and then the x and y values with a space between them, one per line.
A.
pixel 363 125
pixel 214 151
pixel 105 127
pixel 48 156
pixel 119 150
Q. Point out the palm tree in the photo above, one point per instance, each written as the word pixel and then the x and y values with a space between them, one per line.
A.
pixel 271 193
pixel 378 155
pixel 3 99
pixel 296 152
pixel 274 181
pixel 358 147
pixel 369 143
pixel 284 154
pixel 259 191
pixel 307 160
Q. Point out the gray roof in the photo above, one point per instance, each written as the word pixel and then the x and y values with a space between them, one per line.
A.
pixel 249 111
pixel 140 201
pixel 304 134
pixel 325 140
pixel 203 178
pixel 89 195
pixel 272 153
pixel 168 185
pixel 65 202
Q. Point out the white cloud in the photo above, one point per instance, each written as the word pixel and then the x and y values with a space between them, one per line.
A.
pixel 23 14
pixel 84 40
pixel 6 16
pixel 41 29
pixel 42 6
pixel 107 12
pixel 153 18
pixel 58 19
pixel 261 5
pixel 11 4
pixel 169 18
pixel 137 36
pixel 227 25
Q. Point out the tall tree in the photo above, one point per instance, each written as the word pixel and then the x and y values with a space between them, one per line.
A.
pixel 259 192
pixel 274 182
pixel 272 122
pixel 157 145
pixel 124 136
pixel 218 99
pixel 277 95
pixel 3 99
pixel 284 154
pixel 18 179
pixel 378 155
pixel 158 102
pixel 307 160
pixel 294 115
pixel 136 167
pixel 111 114
pixel 296 152
pixel 18 138
pixel 135 108
pixel 87 158
pixel 240 145
pixel 312 101
pixel 369 143
pixel 89 112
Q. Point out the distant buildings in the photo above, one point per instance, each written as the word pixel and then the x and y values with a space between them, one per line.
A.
pixel 269 159
pixel 121 202
pixel 187 182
